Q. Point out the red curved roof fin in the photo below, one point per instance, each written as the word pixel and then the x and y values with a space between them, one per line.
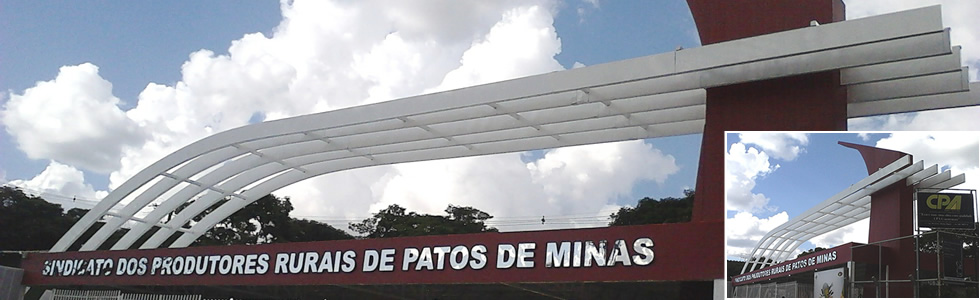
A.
pixel 875 158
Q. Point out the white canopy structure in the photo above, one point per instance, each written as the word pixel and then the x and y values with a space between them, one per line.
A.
pixel 846 207
pixel 893 63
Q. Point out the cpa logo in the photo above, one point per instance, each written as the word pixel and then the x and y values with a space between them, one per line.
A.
pixel 940 201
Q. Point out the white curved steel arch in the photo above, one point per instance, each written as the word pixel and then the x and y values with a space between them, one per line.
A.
pixel 652 96
pixel 680 111
pixel 687 120
pixel 288 178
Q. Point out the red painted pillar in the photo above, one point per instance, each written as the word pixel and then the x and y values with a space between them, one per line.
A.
pixel 891 217
pixel 807 102
pixel 813 102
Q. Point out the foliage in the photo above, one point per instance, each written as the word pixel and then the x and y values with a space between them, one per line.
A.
pixel 734 268
pixel 394 221
pixel 29 222
pixel 811 251
pixel 467 219
pixel 650 211
pixel 39 224
pixel 309 230
pixel 75 214
pixel 265 220
pixel 257 222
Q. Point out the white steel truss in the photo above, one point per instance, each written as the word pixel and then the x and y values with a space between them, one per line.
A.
pixel 846 207
pixel 654 96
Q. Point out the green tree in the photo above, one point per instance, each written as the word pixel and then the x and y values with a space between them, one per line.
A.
pixel 263 221
pixel 28 222
pixel 394 221
pixel 75 214
pixel 650 211
pixel 734 268
pixel 465 219
pixel 40 224
pixel 811 251
pixel 309 230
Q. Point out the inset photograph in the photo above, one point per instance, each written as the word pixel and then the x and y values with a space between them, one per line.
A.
pixel 851 214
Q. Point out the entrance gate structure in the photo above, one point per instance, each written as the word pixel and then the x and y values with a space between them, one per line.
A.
pixel 654 96
pixel 886 197
pixel 754 73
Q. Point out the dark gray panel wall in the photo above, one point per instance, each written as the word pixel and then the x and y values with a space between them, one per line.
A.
pixel 10 287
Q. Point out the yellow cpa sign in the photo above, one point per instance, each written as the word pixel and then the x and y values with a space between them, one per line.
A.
pixel 946 210
pixel 943 201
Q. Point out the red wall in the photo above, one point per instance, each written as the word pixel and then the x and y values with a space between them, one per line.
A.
pixel 843 255
pixel 682 252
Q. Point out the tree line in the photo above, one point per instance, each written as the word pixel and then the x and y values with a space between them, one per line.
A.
pixel 28 222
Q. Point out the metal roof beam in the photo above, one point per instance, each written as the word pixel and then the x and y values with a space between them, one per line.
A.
pixel 902 69
pixel 919 176
pixel 934 180
pixel 917 103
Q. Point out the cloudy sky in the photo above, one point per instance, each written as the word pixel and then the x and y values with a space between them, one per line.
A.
pixel 90 93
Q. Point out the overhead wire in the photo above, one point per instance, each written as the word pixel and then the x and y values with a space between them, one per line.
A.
pixel 581 215
pixel 598 219
pixel 48 195
pixel 74 201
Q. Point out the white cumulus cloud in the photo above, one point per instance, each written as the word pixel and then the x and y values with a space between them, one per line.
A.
pixel 74 119
pixel 959 15
pixel 747 161
pixel 586 173
pixel 499 184
pixel 743 166
pixel 61 184
pixel 744 230
pixel 328 55
pixel 957 151
pixel 780 145
pixel 856 232
pixel 523 43
pixel 577 180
